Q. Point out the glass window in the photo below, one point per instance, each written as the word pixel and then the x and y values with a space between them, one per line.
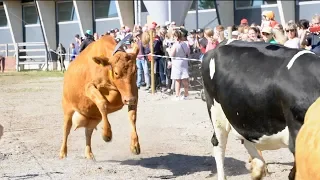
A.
pixel 30 15
pixel 143 7
pixel 105 9
pixel 66 12
pixel 253 3
pixel 202 4
pixel 3 18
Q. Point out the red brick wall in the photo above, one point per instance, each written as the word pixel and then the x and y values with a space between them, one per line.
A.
pixel 10 64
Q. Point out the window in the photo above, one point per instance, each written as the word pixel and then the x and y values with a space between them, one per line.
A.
pixel 202 4
pixel 66 12
pixel 253 3
pixel 3 18
pixel 30 15
pixel 105 9
pixel 143 7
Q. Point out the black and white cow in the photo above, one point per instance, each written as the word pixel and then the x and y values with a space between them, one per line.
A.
pixel 261 92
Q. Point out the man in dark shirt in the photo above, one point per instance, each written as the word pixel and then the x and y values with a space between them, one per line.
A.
pixel 89 39
pixel 312 39
pixel 201 39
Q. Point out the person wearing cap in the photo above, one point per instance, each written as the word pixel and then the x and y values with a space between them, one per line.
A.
pixel 268 19
pixel 244 22
pixel 201 41
pixel 192 43
pixel 88 40
pixel 267 35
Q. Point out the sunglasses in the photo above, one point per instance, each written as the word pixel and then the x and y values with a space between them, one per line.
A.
pixel 290 30
pixel 265 34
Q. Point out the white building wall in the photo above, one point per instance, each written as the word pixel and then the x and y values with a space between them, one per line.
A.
pixel 47 15
pixel 13 11
pixel 85 15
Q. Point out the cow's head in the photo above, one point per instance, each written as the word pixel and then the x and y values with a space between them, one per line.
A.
pixel 120 67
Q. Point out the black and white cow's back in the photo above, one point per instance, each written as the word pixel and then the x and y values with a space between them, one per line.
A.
pixel 261 92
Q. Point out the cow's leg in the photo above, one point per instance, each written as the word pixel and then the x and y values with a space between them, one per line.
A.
pixel 135 146
pixel 66 131
pixel 94 94
pixel 257 164
pixel 221 131
pixel 89 130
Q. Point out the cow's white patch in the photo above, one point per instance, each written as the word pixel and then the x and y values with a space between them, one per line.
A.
pixel 275 141
pixel 78 120
pixel 293 59
pixel 212 67
pixel 221 128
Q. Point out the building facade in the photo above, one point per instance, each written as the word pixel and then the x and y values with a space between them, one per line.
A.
pixel 62 19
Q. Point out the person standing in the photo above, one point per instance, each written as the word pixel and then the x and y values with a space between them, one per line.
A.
pixel 179 71
pixel 89 39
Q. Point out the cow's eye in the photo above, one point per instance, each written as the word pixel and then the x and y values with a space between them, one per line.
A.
pixel 116 73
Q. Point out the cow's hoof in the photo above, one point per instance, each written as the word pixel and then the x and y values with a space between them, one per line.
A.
pixel 62 155
pixel 106 138
pixel 90 156
pixel 136 149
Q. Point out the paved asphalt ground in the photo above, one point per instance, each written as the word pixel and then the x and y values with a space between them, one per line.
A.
pixel 174 137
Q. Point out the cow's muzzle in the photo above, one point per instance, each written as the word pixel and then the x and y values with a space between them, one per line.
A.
pixel 129 100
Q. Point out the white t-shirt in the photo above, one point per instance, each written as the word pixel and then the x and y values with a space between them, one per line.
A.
pixel 293 43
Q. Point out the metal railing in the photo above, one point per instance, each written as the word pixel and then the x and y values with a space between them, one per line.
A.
pixel 21 50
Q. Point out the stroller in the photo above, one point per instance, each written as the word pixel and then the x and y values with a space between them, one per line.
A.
pixel 195 78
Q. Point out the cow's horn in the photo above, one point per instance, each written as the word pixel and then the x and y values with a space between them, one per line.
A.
pixel 119 45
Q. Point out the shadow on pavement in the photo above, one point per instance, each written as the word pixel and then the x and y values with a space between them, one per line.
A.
pixel 180 164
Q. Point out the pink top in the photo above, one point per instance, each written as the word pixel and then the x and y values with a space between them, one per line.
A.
pixel 211 45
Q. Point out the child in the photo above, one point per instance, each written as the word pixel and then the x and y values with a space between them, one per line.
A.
pixel 73 52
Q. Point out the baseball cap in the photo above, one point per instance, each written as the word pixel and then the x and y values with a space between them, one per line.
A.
pixel 199 30
pixel 89 32
pixel 267 29
pixel 193 31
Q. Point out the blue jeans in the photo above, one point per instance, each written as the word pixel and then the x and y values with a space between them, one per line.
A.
pixel 161 70
pixel 142 66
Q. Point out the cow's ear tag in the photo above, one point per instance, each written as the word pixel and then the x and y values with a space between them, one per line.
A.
pixel 110 74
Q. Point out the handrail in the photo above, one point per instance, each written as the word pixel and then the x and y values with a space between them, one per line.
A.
pixel 20 52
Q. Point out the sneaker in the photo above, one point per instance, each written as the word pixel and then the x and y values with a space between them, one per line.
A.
pixel 176 98
pixel 147 88
pixel 183 97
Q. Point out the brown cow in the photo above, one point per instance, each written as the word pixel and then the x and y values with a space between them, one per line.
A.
pixel 308 145
pixel 99 82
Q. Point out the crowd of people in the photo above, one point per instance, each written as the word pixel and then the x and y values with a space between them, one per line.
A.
pixel 172 44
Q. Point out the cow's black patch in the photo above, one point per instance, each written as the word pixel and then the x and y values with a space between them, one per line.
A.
pixel 257 92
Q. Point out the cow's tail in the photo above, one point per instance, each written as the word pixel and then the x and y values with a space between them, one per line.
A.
pixel 208 91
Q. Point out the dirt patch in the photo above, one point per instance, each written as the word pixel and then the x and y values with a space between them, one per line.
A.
pixel 174 135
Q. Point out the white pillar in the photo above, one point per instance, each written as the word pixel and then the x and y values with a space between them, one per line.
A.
pixel 286 10
pixel 179 10
pixel 158 10
pixel 84 13
pixel 13 11
pixel 226 12
pixel 47 17
pixel 125 12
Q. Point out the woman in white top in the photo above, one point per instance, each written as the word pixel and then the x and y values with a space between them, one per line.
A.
pixel 179 69
pixel 292 35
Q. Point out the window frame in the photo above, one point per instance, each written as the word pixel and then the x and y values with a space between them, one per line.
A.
pixel 24 22
pixel 107 17
pixel 298 2
pixel 254 7
pixel 72 15
pixel 193 1
pixel 7 26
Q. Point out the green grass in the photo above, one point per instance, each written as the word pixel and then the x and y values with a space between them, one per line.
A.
pixel 34 74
